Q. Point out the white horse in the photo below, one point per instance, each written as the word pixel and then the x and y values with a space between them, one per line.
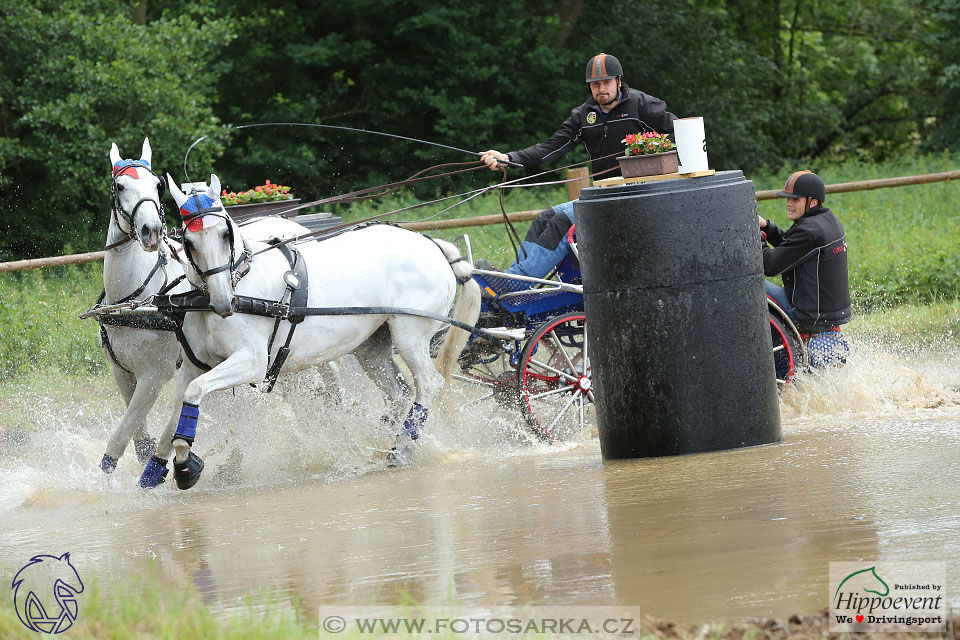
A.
pixel 377 267
pixel 143 350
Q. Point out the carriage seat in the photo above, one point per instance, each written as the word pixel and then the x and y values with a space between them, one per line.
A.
pixel 535 301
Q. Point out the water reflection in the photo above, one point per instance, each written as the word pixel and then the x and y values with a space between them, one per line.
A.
pixel 732 534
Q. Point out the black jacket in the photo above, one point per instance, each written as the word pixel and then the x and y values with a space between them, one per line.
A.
pixel 636 112
pixel 812 256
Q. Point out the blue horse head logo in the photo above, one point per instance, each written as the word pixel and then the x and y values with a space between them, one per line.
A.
pixel 45 594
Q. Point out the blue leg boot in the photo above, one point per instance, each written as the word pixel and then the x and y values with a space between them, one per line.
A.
pixel 187 473
pixel 154 474
pixel 108 464
pixel 828 349
pixel 402 453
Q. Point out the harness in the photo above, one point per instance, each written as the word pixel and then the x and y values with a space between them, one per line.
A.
pixel 296 294
pixel 290 308
pixel 154 322
pixel 176 306
pixel 116 209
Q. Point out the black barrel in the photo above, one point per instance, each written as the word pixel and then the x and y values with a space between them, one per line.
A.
pixel 676 316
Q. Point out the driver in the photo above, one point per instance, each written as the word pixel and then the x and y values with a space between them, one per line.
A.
pixel 601 123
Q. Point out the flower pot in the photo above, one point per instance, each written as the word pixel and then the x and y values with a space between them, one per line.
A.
pixel 243 211
pixel 653 164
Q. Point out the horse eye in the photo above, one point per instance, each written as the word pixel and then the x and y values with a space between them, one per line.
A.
pixel 119 187
pixel 188 243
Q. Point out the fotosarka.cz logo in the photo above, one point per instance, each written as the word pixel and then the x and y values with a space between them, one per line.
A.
pixel 45 594
pixel 887 596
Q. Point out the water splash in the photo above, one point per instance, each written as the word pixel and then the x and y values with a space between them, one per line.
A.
pixel 876 382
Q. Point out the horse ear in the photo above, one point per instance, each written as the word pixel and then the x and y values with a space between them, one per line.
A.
pixel 178 195
pixel 146 153
pixel 65 556
pixel 114 155
pixel 214 189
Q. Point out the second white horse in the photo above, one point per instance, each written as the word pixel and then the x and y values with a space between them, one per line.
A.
pixel 378 275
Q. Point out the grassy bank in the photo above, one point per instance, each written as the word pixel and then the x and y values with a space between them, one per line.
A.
pixel 149 613
pixel 41 330
pixel 903 256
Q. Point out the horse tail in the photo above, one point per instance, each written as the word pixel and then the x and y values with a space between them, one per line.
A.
pixel 466 310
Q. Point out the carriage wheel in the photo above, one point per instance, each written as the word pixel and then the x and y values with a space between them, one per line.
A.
pixel 786 350
pixel 485 377
pixel 555 381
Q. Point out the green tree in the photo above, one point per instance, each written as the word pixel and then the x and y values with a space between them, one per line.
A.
pixel 75 78
pixel 464 74
pixel 943 39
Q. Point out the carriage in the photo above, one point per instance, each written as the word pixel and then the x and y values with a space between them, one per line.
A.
pixel 527 344
pixel 543 369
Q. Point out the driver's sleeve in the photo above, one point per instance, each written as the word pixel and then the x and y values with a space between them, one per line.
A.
pixel 557 145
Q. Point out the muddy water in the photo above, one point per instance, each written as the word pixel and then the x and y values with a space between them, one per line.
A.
pixel 869 469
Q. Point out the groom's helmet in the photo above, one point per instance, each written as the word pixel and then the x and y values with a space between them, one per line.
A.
pixel 804 184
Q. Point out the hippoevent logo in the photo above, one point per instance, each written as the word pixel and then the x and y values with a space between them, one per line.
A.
pixel 45 594
pixel 887 596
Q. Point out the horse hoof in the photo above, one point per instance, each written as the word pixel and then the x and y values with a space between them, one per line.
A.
pixel 108 464
pixel 154 474
pixel 401 455
pixel 145 447
pixel 188 473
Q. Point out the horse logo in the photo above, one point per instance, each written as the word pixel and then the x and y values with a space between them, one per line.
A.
pixel 868 582
pixel 45 594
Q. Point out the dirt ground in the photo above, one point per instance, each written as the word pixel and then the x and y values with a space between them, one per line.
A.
pixel 795 628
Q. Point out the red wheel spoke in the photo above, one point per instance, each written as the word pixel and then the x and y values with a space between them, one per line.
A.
pixel 547 367
pixel 554 383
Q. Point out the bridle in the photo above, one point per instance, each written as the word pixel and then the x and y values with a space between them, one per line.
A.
pixel 238 266
pixel 116 209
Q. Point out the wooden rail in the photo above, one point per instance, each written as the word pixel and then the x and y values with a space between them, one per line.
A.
pixel 56 261
pixel 521 216
pixel 879 183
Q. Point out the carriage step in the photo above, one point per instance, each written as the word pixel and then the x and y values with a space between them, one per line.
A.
pixel 505 333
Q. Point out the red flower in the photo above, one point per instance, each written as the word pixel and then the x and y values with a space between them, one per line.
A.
pixel 630 139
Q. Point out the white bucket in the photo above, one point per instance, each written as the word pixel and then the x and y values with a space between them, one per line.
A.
pixel 691 144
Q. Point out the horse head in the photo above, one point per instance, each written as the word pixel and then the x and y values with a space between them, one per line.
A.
pixel 135 197
pixel 213 244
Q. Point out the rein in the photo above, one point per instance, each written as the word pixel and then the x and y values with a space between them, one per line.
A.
pixel 326 126
pixel 375 192
pixel 467 195
pixel 194 301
